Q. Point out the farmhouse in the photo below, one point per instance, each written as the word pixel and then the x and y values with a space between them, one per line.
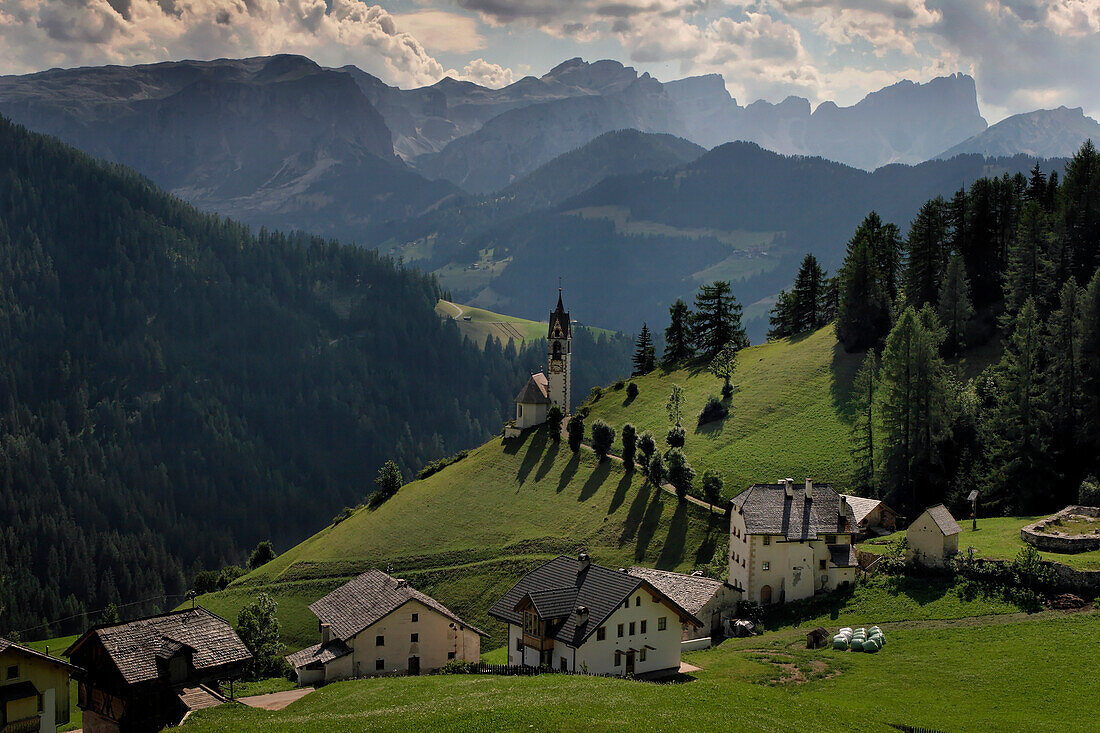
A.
pixel 933 537
pixel 34 689
pixel 788 543
pixel 575 616
pixel 872 516
pixel 376 625
pixel 709 600
pixel 146 674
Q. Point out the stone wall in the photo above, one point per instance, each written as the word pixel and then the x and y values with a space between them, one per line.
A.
pixel 1044 534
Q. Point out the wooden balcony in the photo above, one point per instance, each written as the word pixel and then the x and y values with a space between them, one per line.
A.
pixel 26 725
pixel 541 643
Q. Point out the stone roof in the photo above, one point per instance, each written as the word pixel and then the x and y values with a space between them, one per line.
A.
pixel 691 592
pixel 8 645
pixel 943 520
pixel 569 582
pixel 843 556
pixel 536 391
pixel 134 646
pixel 369 598
pixel 768 510
pixel 861 507
pixel 319 653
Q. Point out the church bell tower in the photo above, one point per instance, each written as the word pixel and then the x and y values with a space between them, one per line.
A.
pixel 559 340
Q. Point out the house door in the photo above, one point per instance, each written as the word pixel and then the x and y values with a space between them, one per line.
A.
pixel 630 662
pixel 766 595
pixel 414 665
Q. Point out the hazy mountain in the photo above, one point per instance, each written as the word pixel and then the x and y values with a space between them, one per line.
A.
pixel 276 141
pixel 1043 133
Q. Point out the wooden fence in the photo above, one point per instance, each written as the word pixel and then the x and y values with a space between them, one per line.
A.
pixel 912 728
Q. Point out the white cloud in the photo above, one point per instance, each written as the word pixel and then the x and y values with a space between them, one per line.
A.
pixel 480 71
pixel 441 31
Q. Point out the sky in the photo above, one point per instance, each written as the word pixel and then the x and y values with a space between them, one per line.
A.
pixel 1024 54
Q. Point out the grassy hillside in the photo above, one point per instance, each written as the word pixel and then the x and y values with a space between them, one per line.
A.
pixel 945 675
pixel 789 417
pixel 467 533
pixel 484 323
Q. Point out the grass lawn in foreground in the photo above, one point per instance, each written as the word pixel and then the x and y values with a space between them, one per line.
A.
pixel 997 538
pixel 1001 673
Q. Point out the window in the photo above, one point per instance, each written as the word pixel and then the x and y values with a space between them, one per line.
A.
pixel 413 638
pixel 416 617
pixel 830 539
pixel 519 645
pixel 767 540
pixel 766 565
pixel 641 655
pixel 531 623
pixel 643 627
pixel 632 628
pixel 380 641
pixel 637 601
pixel 379 664
pixel 563 664
pixel 626 603
pixel 618 659
pixel 662 623
pixel 620 631
pixel 601 633
pixel 450 655
pixel 821 564
pixel 13 671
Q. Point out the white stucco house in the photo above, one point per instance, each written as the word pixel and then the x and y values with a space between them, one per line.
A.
pixel 933 537
pixel 709 600
pixel 533 402
pixel 789 542
pixel 573 615
pixel 379 625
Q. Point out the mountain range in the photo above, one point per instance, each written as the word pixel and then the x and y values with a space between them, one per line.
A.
pixel 1044 133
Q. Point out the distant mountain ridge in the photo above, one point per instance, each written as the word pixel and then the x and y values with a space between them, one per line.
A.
pixel 1045 133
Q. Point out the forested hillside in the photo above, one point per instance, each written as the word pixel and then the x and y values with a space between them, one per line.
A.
pixel 174 388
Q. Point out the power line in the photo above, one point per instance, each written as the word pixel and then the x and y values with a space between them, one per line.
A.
pixel 47 624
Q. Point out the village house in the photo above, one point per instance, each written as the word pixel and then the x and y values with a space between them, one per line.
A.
pixel 933 537
pixel 534 400
pixel 873 518
pixel 147 674
pixel 575 616
pixel 709 600
pixel 789 542
pixel 378 625
pixel 34 690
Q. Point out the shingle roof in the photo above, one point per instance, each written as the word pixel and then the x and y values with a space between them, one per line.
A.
pixel 861 507
pixel 6 644
pixel 691 592
pixel 944 520
pixel 369 598
pixel 553 603
pixel 768 510
pixel 134 646
pixel 601 590
pixel 843 556
pixel 322 653
pixel 536 391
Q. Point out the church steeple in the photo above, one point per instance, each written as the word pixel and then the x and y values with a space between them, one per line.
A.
pixel 559 342
pixel 559 322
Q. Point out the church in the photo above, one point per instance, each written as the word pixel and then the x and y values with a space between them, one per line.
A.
pixel 534 400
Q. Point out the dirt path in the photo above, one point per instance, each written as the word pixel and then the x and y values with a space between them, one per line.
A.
pixel 275 700
pixel 455 306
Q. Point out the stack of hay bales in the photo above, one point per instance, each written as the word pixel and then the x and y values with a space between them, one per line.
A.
pixel 859 640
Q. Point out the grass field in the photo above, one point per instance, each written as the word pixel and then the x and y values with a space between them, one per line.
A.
pixel 466 534
pixel 789 417
pixel 995 673
pixel 485 323
pixel 998 538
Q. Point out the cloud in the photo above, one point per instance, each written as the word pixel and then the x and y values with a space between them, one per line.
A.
pixel 480 71
pixel 441 31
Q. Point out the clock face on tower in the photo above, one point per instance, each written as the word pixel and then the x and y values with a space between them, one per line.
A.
pixel 556 366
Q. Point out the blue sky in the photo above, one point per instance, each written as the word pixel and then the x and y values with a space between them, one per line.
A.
pixel 1024 54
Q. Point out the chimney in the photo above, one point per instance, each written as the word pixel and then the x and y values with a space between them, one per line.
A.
pixel 402 583
pixel 584 561
pixel 809 488
pixel 789 485
pixel 326 633
pixel 582 615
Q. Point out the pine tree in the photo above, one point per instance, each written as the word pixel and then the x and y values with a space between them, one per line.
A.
pixel 781 317
pixel 630 444
pixel 954 307
pixel 808 296
pixel 863 312
pixel 575 431
pixel 1028 272
pixel 675 405
pixel 1090 373
pixel 678 334
pixel 717 319
pixel 1037 185
pixel 863 425
pixel 1062 378
pixel 926 253
pixel 1080 210
pixel 644 358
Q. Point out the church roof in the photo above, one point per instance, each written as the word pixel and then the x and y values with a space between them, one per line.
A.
pixel 535 392
pixel 559 317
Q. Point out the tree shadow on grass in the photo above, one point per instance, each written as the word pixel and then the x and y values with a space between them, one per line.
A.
pixel 569 472
pixel 715 532
pixel 534 451
pixel 548 459
pixel 648 526
pixel 673 550
pixel 635 513
pixel 595 480
pixel 844 367
pixel 620 492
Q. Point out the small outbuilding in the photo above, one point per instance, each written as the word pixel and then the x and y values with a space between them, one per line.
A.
pixel 707 599
pixel 817 638
pixel 933 537
pixel 873 518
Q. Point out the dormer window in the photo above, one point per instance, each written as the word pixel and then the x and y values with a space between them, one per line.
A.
pixel 531 624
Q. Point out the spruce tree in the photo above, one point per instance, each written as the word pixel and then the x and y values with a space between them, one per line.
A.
pixel 1028 271
pixel 1090 373
pixel 678 334
pixel 717 319
pixel 575 431
pixel 1062 378
pixel 926 253
pixel 1080 210
pixel 644 358
pixel 630 444
pixel 954 309
pixel 1036 185
pixel 781 317
pixel 808 296
pixel 863 311
pixel 863 425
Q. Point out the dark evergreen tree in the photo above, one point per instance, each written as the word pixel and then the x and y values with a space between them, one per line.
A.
pixel 809 296
pixel 781 317
pixel 575 431
pixel 863 313
pixel 863 425
pixel 647 446
pixel 1028 272
pixel 717 319
pixel 680 473
pixel 1062 377
pixel 263 554
pixel 644 359
pixel 678 340
pixel 954 309
pixel 630 443
pixel 1080 210
pixel 554 417
pixel 926 254
pixel 603 437
pixel 1090 373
